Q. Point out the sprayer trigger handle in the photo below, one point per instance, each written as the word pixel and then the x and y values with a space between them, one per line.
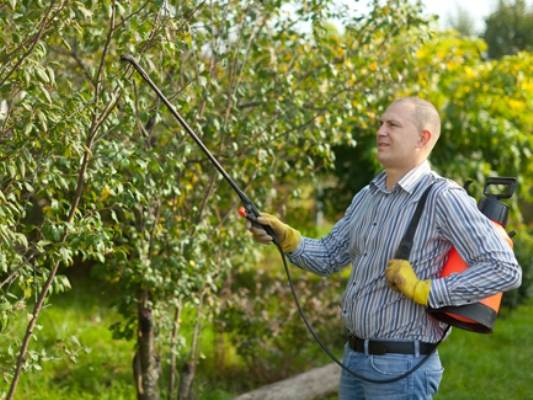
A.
pixel 251 213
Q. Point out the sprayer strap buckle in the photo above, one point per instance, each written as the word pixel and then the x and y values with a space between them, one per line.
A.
pixel 380 347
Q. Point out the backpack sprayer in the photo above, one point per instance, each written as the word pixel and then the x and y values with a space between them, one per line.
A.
pixel 479 317
pixel 452 315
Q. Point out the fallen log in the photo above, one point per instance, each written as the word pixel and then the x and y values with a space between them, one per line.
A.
pixel 311 385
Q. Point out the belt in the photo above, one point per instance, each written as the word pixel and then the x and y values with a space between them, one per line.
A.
pixel 380 347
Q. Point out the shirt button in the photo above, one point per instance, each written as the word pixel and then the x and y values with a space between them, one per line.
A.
pixel 364 255
pixel 374 224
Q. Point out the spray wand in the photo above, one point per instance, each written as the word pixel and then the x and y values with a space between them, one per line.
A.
pixel 250 211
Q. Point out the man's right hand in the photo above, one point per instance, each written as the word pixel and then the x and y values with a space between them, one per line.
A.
pixel 288 237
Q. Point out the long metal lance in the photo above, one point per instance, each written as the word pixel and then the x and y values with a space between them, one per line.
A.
pixel 250 207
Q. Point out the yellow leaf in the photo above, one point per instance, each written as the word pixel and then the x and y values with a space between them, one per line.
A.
pixel 516 105
pixel 527 86
pixel 105 193
pixel 470 72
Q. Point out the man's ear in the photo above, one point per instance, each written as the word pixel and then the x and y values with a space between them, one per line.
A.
pixel 425 137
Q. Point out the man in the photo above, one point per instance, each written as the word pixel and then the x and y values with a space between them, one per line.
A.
pixel 386 299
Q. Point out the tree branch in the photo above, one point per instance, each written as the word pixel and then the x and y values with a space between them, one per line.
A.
pixel 42 26
pixel 98 76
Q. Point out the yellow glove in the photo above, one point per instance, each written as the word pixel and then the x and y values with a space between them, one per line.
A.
pixel 288 238
pixel 401 277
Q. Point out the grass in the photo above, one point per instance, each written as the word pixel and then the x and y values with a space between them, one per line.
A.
pixel 496 366
pixel 84 361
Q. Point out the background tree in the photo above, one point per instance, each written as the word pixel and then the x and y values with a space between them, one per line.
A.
pixel 509 29
pixel 462 22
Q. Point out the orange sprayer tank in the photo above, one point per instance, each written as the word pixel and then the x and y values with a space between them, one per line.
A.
pixel 478 317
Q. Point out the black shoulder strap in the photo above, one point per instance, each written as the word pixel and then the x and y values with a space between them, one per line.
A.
pixel 404 249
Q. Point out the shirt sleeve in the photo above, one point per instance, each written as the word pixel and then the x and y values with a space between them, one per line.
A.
pixel 331 253
pixel 492 265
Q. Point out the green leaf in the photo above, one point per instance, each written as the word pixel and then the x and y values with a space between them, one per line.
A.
pixel 45 92
pixel 41 74
pixel 27 129
pixel 51 74
pixel 42 119
pixel 12 171
pixel 66 255
pixel 85 11
pixel 21 239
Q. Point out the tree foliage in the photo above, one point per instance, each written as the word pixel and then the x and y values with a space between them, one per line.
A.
pixel 462 21
pixel 94 168
pixel 509 29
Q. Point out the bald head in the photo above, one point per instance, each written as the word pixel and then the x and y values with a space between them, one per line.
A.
pixel 408 133
pixel 424 115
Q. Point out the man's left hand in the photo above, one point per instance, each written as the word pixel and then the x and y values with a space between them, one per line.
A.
pixel 401 277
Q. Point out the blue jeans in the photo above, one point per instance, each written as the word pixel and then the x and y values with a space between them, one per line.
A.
pixel 420 385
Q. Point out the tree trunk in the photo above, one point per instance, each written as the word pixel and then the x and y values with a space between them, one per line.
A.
pixel 146 362
pixel 188 370
pixel 311 385
pixel 173 340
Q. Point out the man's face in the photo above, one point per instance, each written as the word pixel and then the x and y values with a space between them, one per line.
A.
pixel 398 138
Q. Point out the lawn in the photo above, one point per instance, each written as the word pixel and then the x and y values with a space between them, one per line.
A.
pixel 84 361
pixel 496 366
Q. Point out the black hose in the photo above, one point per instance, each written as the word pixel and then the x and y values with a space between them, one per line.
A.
pixel 252 214
pixel 328 351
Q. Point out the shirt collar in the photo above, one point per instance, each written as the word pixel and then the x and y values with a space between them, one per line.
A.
pixel 407 182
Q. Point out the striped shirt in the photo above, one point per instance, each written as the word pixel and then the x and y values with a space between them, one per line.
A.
pixel 368 235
